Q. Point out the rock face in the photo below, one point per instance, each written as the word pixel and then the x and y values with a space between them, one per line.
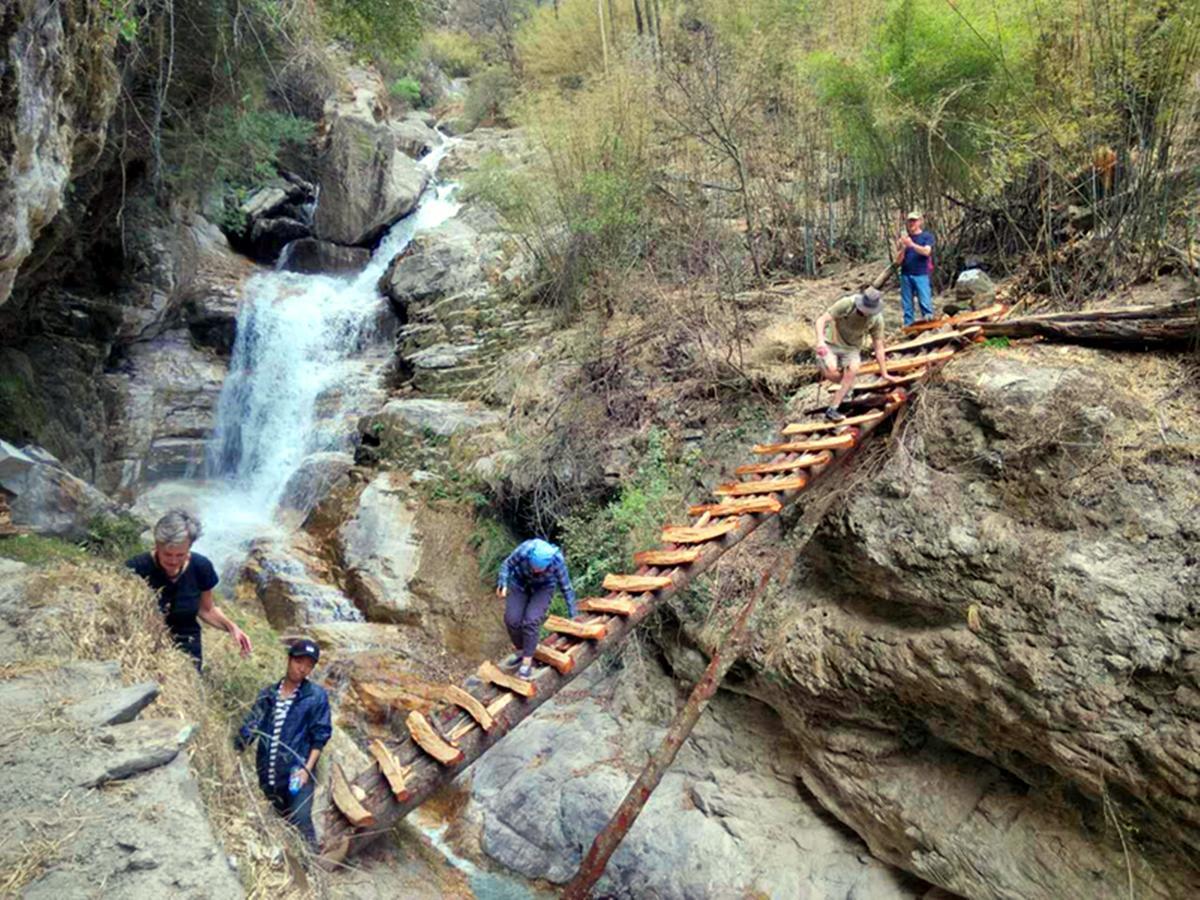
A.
pixel 47 499
pixel 60 87
pixel 441 417
pixel 274 216
pixel 126 839
pixel 994 642
pixel 367 180
pixel 294 585
pixel 728 820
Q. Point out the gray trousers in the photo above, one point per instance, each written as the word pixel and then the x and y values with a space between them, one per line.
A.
pixel 524 614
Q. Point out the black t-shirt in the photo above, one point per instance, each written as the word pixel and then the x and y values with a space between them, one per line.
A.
pixel 179 600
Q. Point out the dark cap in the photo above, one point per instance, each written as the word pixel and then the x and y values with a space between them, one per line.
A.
pixel 305 648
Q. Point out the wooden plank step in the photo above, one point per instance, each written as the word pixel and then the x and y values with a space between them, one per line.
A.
pixel 563 662
pixel 908 363
pixel 661 558
pixel 474 707
pixel 736 506
pixel 932 340
pixel 765 486
pixel 392 772
pixel 636 584
pixel 686 534
pixel 881 385
pixel 431 742
pixel 348 804
pixel 466 727
pixel 491 673
pixel 617 606
pixel 985 313
pixel 816 427
pixel 588 631
pixel 838 442
pixel 785 465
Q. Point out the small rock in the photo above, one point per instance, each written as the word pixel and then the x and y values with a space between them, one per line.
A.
pixel 113 707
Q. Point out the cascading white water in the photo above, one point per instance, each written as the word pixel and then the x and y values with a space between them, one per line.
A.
pixel 296 376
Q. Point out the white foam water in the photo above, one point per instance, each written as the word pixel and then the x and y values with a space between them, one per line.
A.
pixel 307 355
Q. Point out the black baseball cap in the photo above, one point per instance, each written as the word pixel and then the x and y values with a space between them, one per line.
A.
pixel 305 648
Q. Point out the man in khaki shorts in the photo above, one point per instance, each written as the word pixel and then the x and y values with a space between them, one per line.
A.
pixel 840 332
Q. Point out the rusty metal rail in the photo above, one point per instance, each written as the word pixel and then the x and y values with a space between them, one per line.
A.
pixel 441 745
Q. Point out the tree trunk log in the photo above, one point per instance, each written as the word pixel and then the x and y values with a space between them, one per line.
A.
pixel 1173 326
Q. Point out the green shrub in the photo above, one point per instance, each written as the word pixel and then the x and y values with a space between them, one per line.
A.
pixel 114 537
pixel 407 90
pixel 455 52
pixel 488 97
pixel 492 542
pixel 387 29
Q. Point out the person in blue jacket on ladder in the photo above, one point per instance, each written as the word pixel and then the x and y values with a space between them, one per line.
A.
pixel 527 581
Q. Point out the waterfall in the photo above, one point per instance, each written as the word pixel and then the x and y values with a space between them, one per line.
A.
pixel 301 370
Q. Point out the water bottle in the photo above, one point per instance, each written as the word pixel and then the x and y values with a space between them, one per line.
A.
pixel 294 782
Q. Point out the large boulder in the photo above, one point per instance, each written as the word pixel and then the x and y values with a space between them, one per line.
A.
pixel 992 642
pixel 974 289
pixel 444 418
pixel 367 180
pixel 295 586
pixel 727 819
pixel 60 86
pixel 381 551
pixel 47 499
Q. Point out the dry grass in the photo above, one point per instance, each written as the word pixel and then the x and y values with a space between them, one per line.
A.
pixel 100 612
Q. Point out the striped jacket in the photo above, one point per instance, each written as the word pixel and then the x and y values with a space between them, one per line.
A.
pixel 517 570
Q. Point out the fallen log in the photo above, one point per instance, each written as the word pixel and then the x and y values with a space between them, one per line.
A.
pixel 1175 326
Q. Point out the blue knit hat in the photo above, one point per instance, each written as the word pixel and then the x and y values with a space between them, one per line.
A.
pixel 541 553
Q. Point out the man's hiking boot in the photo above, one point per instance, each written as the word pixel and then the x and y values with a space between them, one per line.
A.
pixel 525 672
pixel 833 414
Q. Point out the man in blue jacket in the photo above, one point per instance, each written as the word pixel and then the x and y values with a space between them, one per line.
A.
pixel 291 722
pixel 526 583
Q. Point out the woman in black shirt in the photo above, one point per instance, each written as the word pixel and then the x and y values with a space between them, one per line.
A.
pixel 184 582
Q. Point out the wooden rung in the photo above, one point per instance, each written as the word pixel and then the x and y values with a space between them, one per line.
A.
pixel 497 706
pixel 909 363
pixel 688 534
pixel 837 442
pixel 468 725
pixel 667 557
pixel 816 427
pixel 561 661
pixel 390 768
pixel 766 486
pixel 985 313
pixel 932 340
pixel 736 506
pixel 588 631
pixel 881 385
pixel 462 699
pixel 348 805
pixel 491 673
pixel 431 742
pixel 617 606
pixel 636 584
pixel 786 465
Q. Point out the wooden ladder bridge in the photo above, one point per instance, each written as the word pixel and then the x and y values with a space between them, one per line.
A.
pixel 479 712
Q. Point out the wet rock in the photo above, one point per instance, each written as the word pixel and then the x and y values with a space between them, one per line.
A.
pixel 47 499
pixel 295 587
pixel 315 257
pixel 270 236
pixel 316 476
pixel 273 217
pixel 726 820
pixel 414 136
pixel 60 88
pixel 974 289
